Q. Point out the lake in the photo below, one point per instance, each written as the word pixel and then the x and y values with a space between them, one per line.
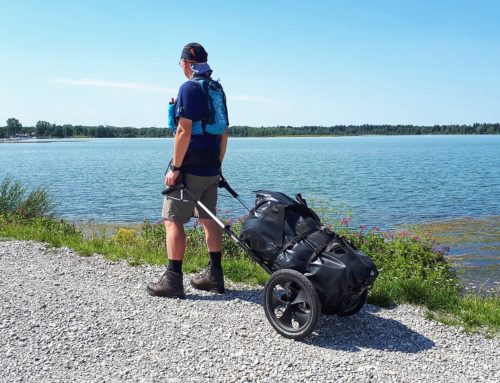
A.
pixel 385 181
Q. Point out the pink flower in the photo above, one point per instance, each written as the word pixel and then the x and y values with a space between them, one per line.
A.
pixel 345 221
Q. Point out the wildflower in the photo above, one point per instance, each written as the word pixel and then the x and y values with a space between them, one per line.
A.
pixel 345 221
pixel 362 227
pixel 388 234
pixel 416 238
pixel 403 234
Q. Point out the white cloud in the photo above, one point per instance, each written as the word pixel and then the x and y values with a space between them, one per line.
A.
pixel 154 88
pixel 258 99
pixel 113 84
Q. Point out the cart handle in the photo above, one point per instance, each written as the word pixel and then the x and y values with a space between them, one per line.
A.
pixel 224 184
pixel 170 189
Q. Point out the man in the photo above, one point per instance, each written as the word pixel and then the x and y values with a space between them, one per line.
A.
pixel 197 160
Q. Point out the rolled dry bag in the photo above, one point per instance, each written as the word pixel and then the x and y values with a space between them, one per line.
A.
pixel 285 233
pixel 277 222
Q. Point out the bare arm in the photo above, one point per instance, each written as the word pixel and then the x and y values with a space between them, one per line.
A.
pixel 182 139
pixel 223 144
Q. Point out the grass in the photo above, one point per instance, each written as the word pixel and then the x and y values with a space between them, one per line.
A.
pixel 413 269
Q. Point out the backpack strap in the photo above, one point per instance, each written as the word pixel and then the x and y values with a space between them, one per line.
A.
pixel 204 84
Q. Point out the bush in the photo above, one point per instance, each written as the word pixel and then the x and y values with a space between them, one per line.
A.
pixel 15 200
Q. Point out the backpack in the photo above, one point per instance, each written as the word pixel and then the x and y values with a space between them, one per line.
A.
pixel 286 233
pixel 217 121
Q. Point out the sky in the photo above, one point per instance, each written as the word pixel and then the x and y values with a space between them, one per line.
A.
pixel 280 62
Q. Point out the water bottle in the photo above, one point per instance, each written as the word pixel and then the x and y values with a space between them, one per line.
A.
pixel 171 114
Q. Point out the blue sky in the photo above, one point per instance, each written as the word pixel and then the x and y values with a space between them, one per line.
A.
pixel 281 62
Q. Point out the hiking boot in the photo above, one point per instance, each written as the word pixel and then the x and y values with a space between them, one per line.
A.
pixel 212 279
pixel 170 286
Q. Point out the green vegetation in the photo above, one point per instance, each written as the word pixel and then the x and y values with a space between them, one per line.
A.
pixel 15 201
pixel 413 269
pixel 360 130
pixel 44 129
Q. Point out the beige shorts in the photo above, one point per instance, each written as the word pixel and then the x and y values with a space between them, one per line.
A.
pixel 203 188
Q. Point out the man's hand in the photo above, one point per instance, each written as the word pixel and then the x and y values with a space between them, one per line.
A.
pixel 171 177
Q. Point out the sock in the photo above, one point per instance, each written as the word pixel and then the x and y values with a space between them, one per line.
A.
pixel 215 259
pixel 175 266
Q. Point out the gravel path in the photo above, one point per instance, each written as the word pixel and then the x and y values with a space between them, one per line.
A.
pixel 76 319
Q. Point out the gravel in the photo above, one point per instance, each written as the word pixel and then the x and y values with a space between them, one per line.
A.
pixel 65 318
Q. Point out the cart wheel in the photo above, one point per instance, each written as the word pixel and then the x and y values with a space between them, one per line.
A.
pixel 356 306
pixel 291 304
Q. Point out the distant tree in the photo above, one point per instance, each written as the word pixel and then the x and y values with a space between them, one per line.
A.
pixel 43 128
pixel 13 126
pixel 58 131
pixel 68 130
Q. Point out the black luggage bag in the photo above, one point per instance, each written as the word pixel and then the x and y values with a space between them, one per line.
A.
pixel 287 234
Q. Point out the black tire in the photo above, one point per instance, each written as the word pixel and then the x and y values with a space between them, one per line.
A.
pixel 356 306
pixel 291 304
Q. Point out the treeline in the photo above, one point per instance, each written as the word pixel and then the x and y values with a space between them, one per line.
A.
pixel 358 130
pixel 44 129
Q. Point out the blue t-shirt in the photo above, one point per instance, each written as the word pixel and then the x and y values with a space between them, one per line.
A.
pixel 192 103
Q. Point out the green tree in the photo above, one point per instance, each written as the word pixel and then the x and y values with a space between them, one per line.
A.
pixel 13 126
pixel 43 128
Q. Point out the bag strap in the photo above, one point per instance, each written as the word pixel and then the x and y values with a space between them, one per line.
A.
pixel 291 243
pixel 281 209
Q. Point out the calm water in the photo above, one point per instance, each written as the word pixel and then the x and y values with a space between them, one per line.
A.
pixel 384 181
pixel 381 180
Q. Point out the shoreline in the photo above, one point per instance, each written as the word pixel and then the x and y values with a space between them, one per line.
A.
pixel 480 279
pixel 74 138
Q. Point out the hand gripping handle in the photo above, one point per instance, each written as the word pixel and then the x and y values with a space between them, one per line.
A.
pixel 170 189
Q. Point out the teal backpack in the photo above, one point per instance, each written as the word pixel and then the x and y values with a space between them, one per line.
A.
pixel 217 121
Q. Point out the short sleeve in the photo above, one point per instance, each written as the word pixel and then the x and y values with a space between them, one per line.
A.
pixel 191 102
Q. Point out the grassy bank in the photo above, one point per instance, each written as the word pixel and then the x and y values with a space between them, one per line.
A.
pixel 413 269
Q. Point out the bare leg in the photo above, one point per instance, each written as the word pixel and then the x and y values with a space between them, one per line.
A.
pixel 176 240
pixel 213 234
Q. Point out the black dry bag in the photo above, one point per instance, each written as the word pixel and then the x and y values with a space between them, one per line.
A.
pixel 285 233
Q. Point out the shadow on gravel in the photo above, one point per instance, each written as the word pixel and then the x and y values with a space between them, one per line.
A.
pixel 360 331
pixel 366 330
pixel 253 296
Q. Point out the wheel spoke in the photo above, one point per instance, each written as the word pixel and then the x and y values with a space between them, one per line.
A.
pixel 286 287
pixel 275 302
pixel 300 317
pixel 300 298
pixel 286 317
